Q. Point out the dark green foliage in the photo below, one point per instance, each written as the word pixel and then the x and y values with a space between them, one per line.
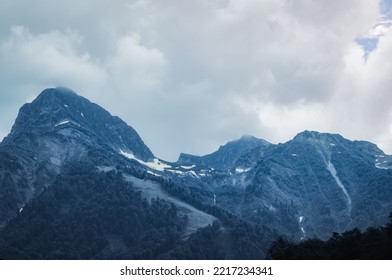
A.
pixel 90 215
pixel 85 214
pixel 235 239
pixel 373 244
pixel 241 241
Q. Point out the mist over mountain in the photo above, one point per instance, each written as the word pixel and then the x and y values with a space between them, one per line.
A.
pixel 79 183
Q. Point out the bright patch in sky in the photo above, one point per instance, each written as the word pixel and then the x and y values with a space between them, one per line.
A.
pixel 369 40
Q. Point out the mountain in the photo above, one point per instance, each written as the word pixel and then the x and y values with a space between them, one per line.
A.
pixel 329 183
pixel 60 113
pixel 311 186
pixel 227 155
pixel 57 128
pixel 79 183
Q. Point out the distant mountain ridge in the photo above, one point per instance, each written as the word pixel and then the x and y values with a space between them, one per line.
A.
pixel 227 155
pixel 322 181
pixel 311 186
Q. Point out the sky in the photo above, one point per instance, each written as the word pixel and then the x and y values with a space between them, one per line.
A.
pixel 191 75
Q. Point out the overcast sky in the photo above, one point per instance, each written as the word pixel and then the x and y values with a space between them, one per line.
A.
pixel 192 75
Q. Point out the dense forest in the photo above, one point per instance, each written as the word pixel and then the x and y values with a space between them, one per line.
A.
pixel 372 244
pixel 87 214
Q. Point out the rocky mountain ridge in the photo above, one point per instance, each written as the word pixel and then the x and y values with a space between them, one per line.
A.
pixel 310 186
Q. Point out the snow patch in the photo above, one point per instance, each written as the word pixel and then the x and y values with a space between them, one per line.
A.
pixel 61 123
pixel 294 155
pixel 332 144
pixel 300 220
pixel 175 171
pixel 332 170
pixel 188 167
pixel 241 170
pixel 66 106
pixel 82 115
pixel 127 155
pixel 155 164
pixel 193 173
pixel 377 165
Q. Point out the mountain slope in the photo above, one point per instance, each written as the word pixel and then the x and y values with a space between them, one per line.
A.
pixel 63 114
pixel 56 128
pixel 85 214
pixel 311 186
pixel 70 172
pixel 49 178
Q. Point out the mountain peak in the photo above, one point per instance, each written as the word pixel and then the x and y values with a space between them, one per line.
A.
pixel 55 93
pixel 65 90
pixel 61 113
pixel 308 134
pixel 316 135
pixel 52 106
pixel 246 138
pixel 227 155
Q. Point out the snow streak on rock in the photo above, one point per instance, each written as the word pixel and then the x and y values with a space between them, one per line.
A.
pixel 332 170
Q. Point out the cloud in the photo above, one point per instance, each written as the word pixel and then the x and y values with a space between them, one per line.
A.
pixel 49 57
pixel 375 100
pixel 191 76
pixel 30 62
pixel 135 66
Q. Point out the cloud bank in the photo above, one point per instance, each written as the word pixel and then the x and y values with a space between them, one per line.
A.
pixel 189 76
